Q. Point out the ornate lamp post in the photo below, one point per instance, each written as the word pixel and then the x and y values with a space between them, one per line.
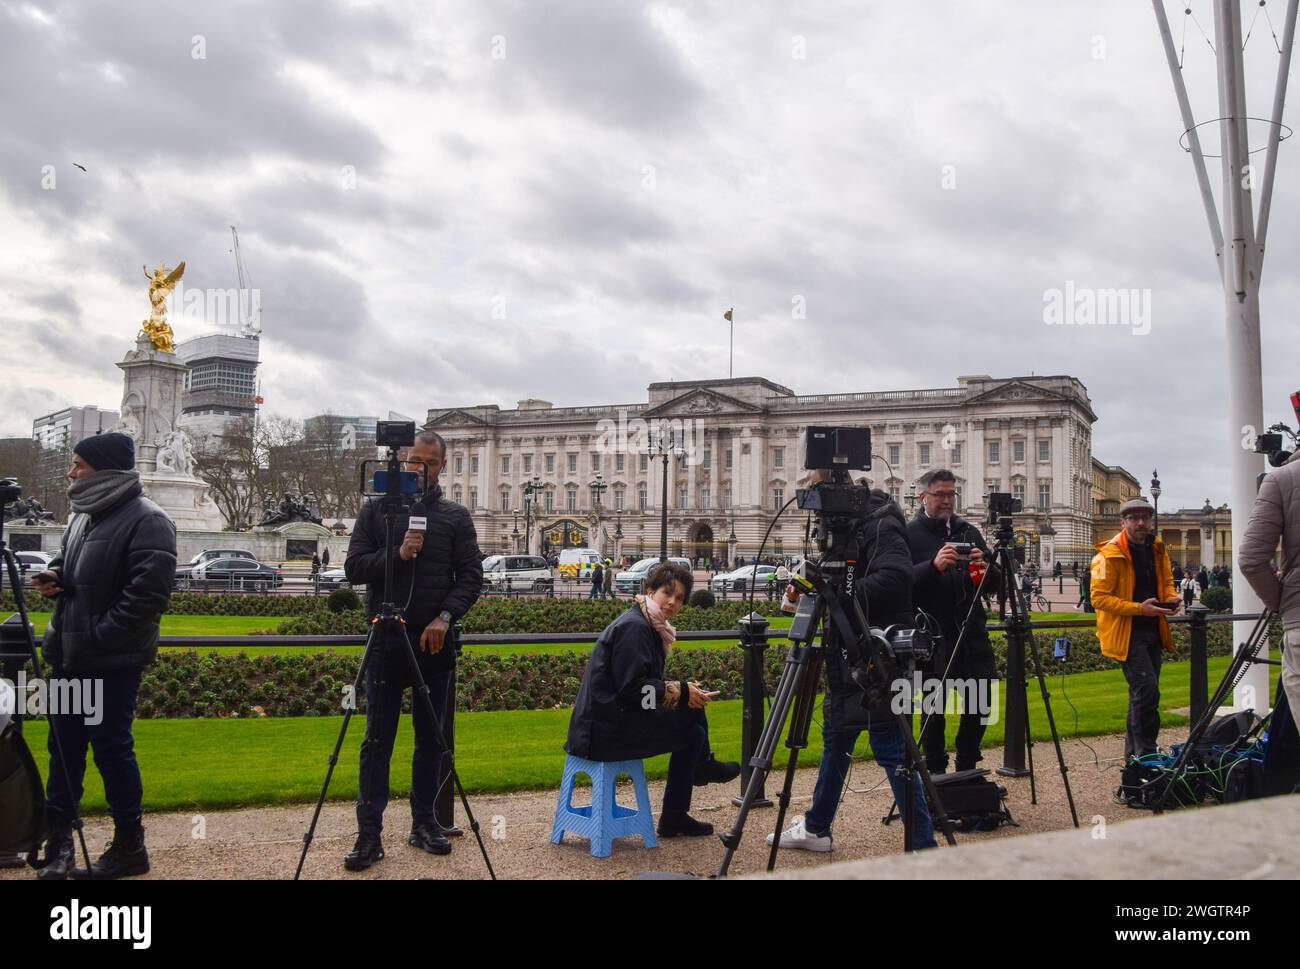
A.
pixel 911 498
pixel 658 446
pixel 618 535
pixel 731 543
pixel 530 489
pixel 514 531
pixel 1155 501
pixel 598 488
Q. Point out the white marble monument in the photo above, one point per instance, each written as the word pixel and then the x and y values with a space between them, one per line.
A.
pixel 153 381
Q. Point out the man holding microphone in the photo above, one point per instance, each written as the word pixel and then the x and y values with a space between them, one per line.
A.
pixel 437 576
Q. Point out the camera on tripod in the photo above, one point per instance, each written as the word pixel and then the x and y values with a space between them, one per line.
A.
pixel 1002 504
pixel 389 481
pixel 838 503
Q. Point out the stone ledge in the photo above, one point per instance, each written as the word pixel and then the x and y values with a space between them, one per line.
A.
pixel 1252 840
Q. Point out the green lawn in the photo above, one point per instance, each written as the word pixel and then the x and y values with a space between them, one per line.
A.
pixel 212 764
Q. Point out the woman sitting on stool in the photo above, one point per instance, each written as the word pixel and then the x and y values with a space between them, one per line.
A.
pixel 626 710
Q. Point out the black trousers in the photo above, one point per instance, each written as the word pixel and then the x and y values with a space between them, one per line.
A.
pixel 1142 671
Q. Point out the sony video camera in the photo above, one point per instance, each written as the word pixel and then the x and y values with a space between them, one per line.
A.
pixel 838 503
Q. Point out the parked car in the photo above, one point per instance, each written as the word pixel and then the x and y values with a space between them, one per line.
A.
pixel 631 581
pixel 31 563
pixel 184 572
pixel 243 574
pixel 742 578
pixel 519 573
pixel 331 579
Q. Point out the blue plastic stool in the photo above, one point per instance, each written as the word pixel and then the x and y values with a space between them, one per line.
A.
pixel 604 819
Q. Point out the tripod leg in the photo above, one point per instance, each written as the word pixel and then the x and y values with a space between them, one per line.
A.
pixel 796 741
pixel 338 746
pixel 1029 745
pixel 796 661
pixel 1051 723
pixel 422 692
pixel 927 782
pixel 10 563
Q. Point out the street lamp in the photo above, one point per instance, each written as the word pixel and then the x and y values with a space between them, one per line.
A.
pixel 911 498
pixel 530 489
pixel 1155 501
pixel 598 488
pixel 618 535
pixel 658 446
pixel 731 543
pixel 514 531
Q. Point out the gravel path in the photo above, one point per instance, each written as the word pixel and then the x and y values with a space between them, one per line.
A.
pixel 266 842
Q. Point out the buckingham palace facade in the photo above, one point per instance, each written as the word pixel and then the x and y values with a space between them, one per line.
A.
pixel 732 460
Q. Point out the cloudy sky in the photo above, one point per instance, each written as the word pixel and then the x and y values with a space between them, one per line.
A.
pixel 461 203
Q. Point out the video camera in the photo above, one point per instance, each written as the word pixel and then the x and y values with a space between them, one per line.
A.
pixel 1001 504
pixel 838 503
pixel 389 481
pixel 1271 441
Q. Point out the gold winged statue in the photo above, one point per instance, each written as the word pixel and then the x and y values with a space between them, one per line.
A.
pixel 161 282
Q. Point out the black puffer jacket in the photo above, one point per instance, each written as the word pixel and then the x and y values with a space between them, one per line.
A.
pixel 117 569
pixel 619 712
pixel 447 574
pixel 949 596
pixel 885 586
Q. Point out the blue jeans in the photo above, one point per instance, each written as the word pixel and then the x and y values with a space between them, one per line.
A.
pixel 112 743
pixel 886 741
pixel 387 678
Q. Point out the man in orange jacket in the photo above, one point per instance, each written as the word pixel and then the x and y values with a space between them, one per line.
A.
pixel 1131 578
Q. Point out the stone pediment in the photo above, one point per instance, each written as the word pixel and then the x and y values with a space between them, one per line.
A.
pixel 456 418
pixel 701 403
pixel 1016 390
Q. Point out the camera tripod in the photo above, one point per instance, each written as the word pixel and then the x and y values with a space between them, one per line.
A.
pixel 1020 633
pixel 10 566
pixel 822 611
pixel 388 624
pixel 1246 655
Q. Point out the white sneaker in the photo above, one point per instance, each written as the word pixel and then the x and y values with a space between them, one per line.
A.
pixel 797 836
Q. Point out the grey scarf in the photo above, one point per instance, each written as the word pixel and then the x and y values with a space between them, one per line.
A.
pixel 102 490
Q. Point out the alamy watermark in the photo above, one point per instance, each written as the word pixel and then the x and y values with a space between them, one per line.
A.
pixel 1085 306
pixel 635 436
pixel 61 696
pixel 932 694
pixel 218 307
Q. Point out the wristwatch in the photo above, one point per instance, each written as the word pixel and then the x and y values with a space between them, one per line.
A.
pixel 445 616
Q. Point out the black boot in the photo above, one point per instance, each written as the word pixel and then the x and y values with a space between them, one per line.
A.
pixel 430 838
pixel 368 850
pixel 125 856
pixel 673 823
pixel 60 854
pixel 714 771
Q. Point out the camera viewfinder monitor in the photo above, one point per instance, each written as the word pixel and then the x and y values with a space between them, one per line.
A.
pixel 838 448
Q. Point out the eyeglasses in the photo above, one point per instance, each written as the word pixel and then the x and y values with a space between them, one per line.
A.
pixel 943 495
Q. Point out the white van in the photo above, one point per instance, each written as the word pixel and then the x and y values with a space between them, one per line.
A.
pixel 578 563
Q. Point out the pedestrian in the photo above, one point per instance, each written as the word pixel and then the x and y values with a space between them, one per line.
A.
pixel 111 581
pixel 597 578
pixel 325 558
pixel 315 564
pixel 1276 516
pixel 1132 583
pixel 1188 587
pixel 609 578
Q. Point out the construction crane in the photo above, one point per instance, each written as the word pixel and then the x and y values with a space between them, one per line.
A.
pixel 250 324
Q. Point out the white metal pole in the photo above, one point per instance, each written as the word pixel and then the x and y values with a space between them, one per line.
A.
pixel 1189 123
pixel 1241 306
pixel 1275 130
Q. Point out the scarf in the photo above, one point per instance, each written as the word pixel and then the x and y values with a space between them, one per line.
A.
pixel 102 490
pixel 650 609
